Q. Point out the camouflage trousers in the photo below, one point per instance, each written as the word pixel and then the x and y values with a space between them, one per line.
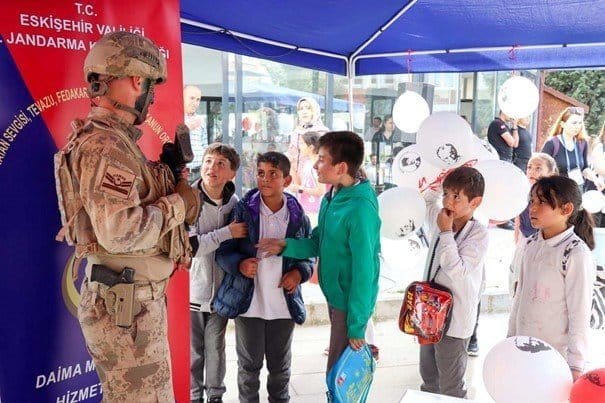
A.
pixel 133 364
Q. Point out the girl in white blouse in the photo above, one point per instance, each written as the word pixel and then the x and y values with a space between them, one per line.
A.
pixel 553 298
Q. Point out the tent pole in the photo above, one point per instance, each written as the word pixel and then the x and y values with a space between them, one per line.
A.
pixel 383 28
pixel 351 77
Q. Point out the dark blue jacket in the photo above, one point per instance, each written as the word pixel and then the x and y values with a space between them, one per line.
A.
pixel 235 293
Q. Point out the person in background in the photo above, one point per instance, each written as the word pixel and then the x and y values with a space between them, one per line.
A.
pixel 554 294
pixel 503 135
pixel 192 96
pixel 522 153
pixel 539 166
pixel 305 185
pixel 376 125
pixel 308 120
pixel 385 139
pixel 597 162
pixel 567 144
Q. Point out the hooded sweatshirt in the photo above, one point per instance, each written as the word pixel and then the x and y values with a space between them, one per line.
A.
pixel 210 230
pixel 347 241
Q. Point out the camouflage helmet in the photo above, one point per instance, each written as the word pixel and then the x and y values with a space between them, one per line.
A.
pixel 124 54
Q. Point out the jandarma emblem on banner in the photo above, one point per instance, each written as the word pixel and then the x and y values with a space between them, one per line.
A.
pixel 71 295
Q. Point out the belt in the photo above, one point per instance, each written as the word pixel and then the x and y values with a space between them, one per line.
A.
pixel 142 291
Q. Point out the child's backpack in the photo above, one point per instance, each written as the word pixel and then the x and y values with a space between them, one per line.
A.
pixel 426 311
pixel 350 379
pixel 597 317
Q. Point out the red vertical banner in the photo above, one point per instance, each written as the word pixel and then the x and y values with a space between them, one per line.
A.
pixel 47 42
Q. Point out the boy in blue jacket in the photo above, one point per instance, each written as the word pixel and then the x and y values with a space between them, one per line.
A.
pixel 263 293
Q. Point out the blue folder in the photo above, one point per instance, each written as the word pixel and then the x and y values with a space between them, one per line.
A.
pixel 350 378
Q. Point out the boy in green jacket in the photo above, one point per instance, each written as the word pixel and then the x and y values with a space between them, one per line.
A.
pixel 347 241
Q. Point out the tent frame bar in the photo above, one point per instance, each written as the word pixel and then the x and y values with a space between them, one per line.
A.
pixel 351 60
pixel 480 49
pixel 262 40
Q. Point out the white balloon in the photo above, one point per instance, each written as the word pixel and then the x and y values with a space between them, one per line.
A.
pixel 597 158
pixel 592 201
pixel 526 369
pixel 483 150
pixel 402 212
pixel 409 169
pixel 445 140
pixel 506 190
pixel 409 111
pixel 518 97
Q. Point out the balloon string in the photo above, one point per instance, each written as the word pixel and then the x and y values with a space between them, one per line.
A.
pixel 512 56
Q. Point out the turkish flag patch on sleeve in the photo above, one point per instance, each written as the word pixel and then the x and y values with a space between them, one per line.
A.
pixel 117 182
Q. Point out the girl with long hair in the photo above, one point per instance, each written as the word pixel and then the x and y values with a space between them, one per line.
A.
pixel 554 294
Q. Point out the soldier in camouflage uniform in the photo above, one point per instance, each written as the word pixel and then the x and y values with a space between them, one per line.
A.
pixel 120 210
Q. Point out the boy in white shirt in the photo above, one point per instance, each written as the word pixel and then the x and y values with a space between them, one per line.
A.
pixel 263 293
pixel 455 260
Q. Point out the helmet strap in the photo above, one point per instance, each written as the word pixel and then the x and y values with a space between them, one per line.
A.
pixel 141 104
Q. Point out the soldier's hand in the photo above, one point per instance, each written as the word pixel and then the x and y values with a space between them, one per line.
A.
pixel 192 200
pixel 238 229
pixel 248 267
pixel 290 281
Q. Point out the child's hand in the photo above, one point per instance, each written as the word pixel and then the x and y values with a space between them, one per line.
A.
pixel 290 281
pixel 238 229
pixel 445 220
pixel 248 267
pixel 271 246
pixel 356 344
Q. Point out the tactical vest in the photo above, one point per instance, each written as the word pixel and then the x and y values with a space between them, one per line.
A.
pixel 76 225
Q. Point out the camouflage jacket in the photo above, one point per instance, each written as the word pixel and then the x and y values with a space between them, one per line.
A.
pixel 128 207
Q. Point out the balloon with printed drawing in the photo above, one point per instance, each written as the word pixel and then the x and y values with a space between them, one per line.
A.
pixel 483 150
pixel 593 201
pixel 402 212
pixel 506 190
pixel 445 140
pixel 409 111
pixel 518 97
pixel 410 169
pixel 526 369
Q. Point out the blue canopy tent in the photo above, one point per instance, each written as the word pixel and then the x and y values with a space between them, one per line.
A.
pixel 360 37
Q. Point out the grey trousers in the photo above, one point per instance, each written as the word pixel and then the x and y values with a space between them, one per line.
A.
pixel 338 336
pixel 207 352
pixel 443 365
pixel 257 339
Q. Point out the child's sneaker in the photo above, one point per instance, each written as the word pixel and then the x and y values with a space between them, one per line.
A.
pixel 473 348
